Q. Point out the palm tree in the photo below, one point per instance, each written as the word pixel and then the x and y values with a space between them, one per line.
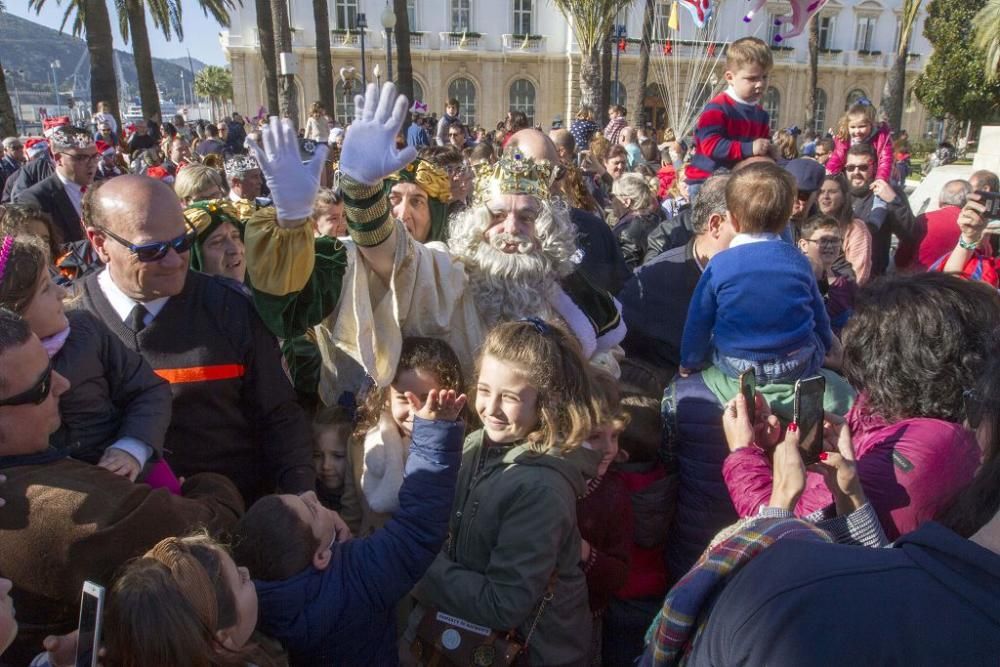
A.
pixel 895 84
pixel 287 98
pixel 404 66
pixel 265 35
pixel 8 121
pixel 96 25
pixel 215 83
pixel 644 46
pixel 987 24
pixel 324 63
pixel 813 73
pixel 591 20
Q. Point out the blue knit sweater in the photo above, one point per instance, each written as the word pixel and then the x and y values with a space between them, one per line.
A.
pixel 756 301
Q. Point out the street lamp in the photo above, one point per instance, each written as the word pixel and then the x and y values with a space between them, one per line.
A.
pixel 18 117
pixel 619 36
pixel 54 65
pixel 388 22
pixel 347 77
pixel 362 25
pixel 377 71
pixel 184 97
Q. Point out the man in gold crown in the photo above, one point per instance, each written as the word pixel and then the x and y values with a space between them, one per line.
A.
pixel 510 255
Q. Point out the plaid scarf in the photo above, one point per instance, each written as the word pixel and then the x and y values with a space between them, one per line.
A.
pixel 687 605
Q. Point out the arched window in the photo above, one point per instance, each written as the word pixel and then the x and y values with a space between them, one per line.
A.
pixel 464 91
pixel 854 96
pixel 772 105
pixel 522 98
pixel 344 103
pixel 819 118
pixel 418 92
pixel 622 98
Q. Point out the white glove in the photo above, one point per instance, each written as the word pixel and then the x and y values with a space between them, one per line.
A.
pixel 369 153
pixel 293 185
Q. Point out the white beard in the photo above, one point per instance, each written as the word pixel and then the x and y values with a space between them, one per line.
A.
pixel 511 286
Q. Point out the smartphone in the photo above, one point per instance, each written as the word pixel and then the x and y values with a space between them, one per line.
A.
pixel 91 620
pixel 991 200
pixel 808 414
pixel 748 387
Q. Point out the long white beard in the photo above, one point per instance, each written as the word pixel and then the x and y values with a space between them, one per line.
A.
pixel 510 286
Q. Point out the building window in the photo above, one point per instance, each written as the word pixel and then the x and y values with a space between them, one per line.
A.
pixel 346 13
pixel 418 91
pixel 827 25
pixel 464 91
pixel 411 14
pixel 344 104
pixel 622 98
pixel 854 96
pixel 461 15
pixel 522 98
pixel 772 104
pixel 661 19
pixel 522 17
pixel 864 36
pixel 819 117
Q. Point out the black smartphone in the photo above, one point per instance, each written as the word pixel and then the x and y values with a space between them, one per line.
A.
pixel 748 387
pixel 808 414
pixel 991 200
pixel 88 640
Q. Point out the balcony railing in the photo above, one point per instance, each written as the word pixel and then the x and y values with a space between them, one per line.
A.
pixel 523 43
pixel 347 39
pixel 418 40
pixel 462 41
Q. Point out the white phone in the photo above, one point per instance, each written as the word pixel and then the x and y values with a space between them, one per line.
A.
pixel 88 641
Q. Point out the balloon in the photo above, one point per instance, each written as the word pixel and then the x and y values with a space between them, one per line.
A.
pixel 701 10
pixel 802 11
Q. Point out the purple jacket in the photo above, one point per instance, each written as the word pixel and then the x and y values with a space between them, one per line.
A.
pixel 910 470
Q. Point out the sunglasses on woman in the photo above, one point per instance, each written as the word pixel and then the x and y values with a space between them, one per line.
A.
pixel 157 250
pixel 34 396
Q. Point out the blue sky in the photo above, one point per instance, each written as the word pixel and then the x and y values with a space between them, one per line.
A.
pixel 201 34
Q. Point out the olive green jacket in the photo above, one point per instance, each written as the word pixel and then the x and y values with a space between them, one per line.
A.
pixel 514 524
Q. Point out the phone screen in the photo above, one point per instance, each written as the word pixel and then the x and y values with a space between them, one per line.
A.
pixel 809 416
pixel 748 387
pixel 91 609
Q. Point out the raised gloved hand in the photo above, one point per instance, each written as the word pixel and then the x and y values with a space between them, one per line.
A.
pixel 369 153
pixel 293 184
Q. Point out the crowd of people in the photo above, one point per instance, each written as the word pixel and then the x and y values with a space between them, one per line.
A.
pixel 436 395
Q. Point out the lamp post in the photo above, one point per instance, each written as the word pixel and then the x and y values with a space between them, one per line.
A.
pixel 184 97
pixel 619 36
pixel 54 65
pixel 377 71
pixel 362 25
pixel 18 118
pixel 388 23
pixel 347 77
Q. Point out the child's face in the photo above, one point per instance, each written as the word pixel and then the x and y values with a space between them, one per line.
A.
pixel 749 82
pixel 505 402
pixel 330 456
pixel 859 128
pixel 45 314
pixel 822 248
pixel 418 382
pixel 604 439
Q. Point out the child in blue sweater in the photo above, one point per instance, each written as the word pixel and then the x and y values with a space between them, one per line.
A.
pixel 757 304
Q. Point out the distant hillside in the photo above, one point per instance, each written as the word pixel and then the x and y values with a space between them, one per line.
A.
pixel 183 62
pixel 28 47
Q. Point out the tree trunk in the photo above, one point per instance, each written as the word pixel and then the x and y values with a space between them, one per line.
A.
pixel 644 46
pixel 590 80
pixel 324 61
pixel 265 35
pixel 895 87
pixel 813 74
pixel 100 46
pixel 404 63
pixel 8 120
pixel 607 53
pixel 287 97
pixel 149 96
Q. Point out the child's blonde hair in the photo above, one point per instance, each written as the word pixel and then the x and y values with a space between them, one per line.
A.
pixel 552 363
pixel 760 198
pixel 787 143
pixel 857 109
pixel 316 108
pixel 748 51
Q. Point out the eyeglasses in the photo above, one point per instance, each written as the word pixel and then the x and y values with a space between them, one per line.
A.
pixel 856 167
pixel 82 158
pixel 34 396
pixel 157 250
pixel 827 241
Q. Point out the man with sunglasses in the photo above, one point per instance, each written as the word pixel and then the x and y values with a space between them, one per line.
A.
pixel 65 521
pixel 60 195
pixel 234 410
pixel 11 159
pixel 882 206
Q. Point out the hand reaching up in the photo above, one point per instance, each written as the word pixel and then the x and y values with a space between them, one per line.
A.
pixel 293 184
pixel 369 153
pixel 443 405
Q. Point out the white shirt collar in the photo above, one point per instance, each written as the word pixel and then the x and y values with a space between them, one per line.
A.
pixel 124 304
pixel 235 198
pixel 731 92
pixel 744 239
pixel 73 191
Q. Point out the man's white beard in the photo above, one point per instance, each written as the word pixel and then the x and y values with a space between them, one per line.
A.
pixel 510 286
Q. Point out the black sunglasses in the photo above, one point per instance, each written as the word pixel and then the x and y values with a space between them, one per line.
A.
pixel 34 396
pixel 157 250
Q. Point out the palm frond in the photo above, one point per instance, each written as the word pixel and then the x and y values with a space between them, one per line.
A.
pixel 591 19
pixel 987 38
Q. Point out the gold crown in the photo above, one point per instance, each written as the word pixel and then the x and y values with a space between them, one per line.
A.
pixel 513 174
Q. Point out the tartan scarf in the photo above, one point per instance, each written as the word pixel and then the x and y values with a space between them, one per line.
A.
pixel 687 605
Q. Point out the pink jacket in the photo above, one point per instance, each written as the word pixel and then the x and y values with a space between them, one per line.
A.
pixel 910 471
pixel 881 141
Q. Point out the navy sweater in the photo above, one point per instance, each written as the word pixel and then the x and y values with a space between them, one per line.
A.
pixel 758 301
pixel 725 135
pixel 346 614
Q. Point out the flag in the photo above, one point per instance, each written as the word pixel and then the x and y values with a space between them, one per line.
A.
pixel 701 10
pixel 674 22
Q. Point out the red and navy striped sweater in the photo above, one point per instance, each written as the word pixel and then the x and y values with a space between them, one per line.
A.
pixel 725 135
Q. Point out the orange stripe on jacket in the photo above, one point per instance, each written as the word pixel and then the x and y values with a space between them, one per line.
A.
pixel 202 373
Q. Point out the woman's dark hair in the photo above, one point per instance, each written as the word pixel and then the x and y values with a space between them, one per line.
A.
pixel 979 502
pixel 846 213
pixel 25 266
pixel 915 344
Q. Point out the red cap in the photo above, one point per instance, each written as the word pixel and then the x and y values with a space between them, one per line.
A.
pixel 52 123
pixel 104 148
pixel 158 173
